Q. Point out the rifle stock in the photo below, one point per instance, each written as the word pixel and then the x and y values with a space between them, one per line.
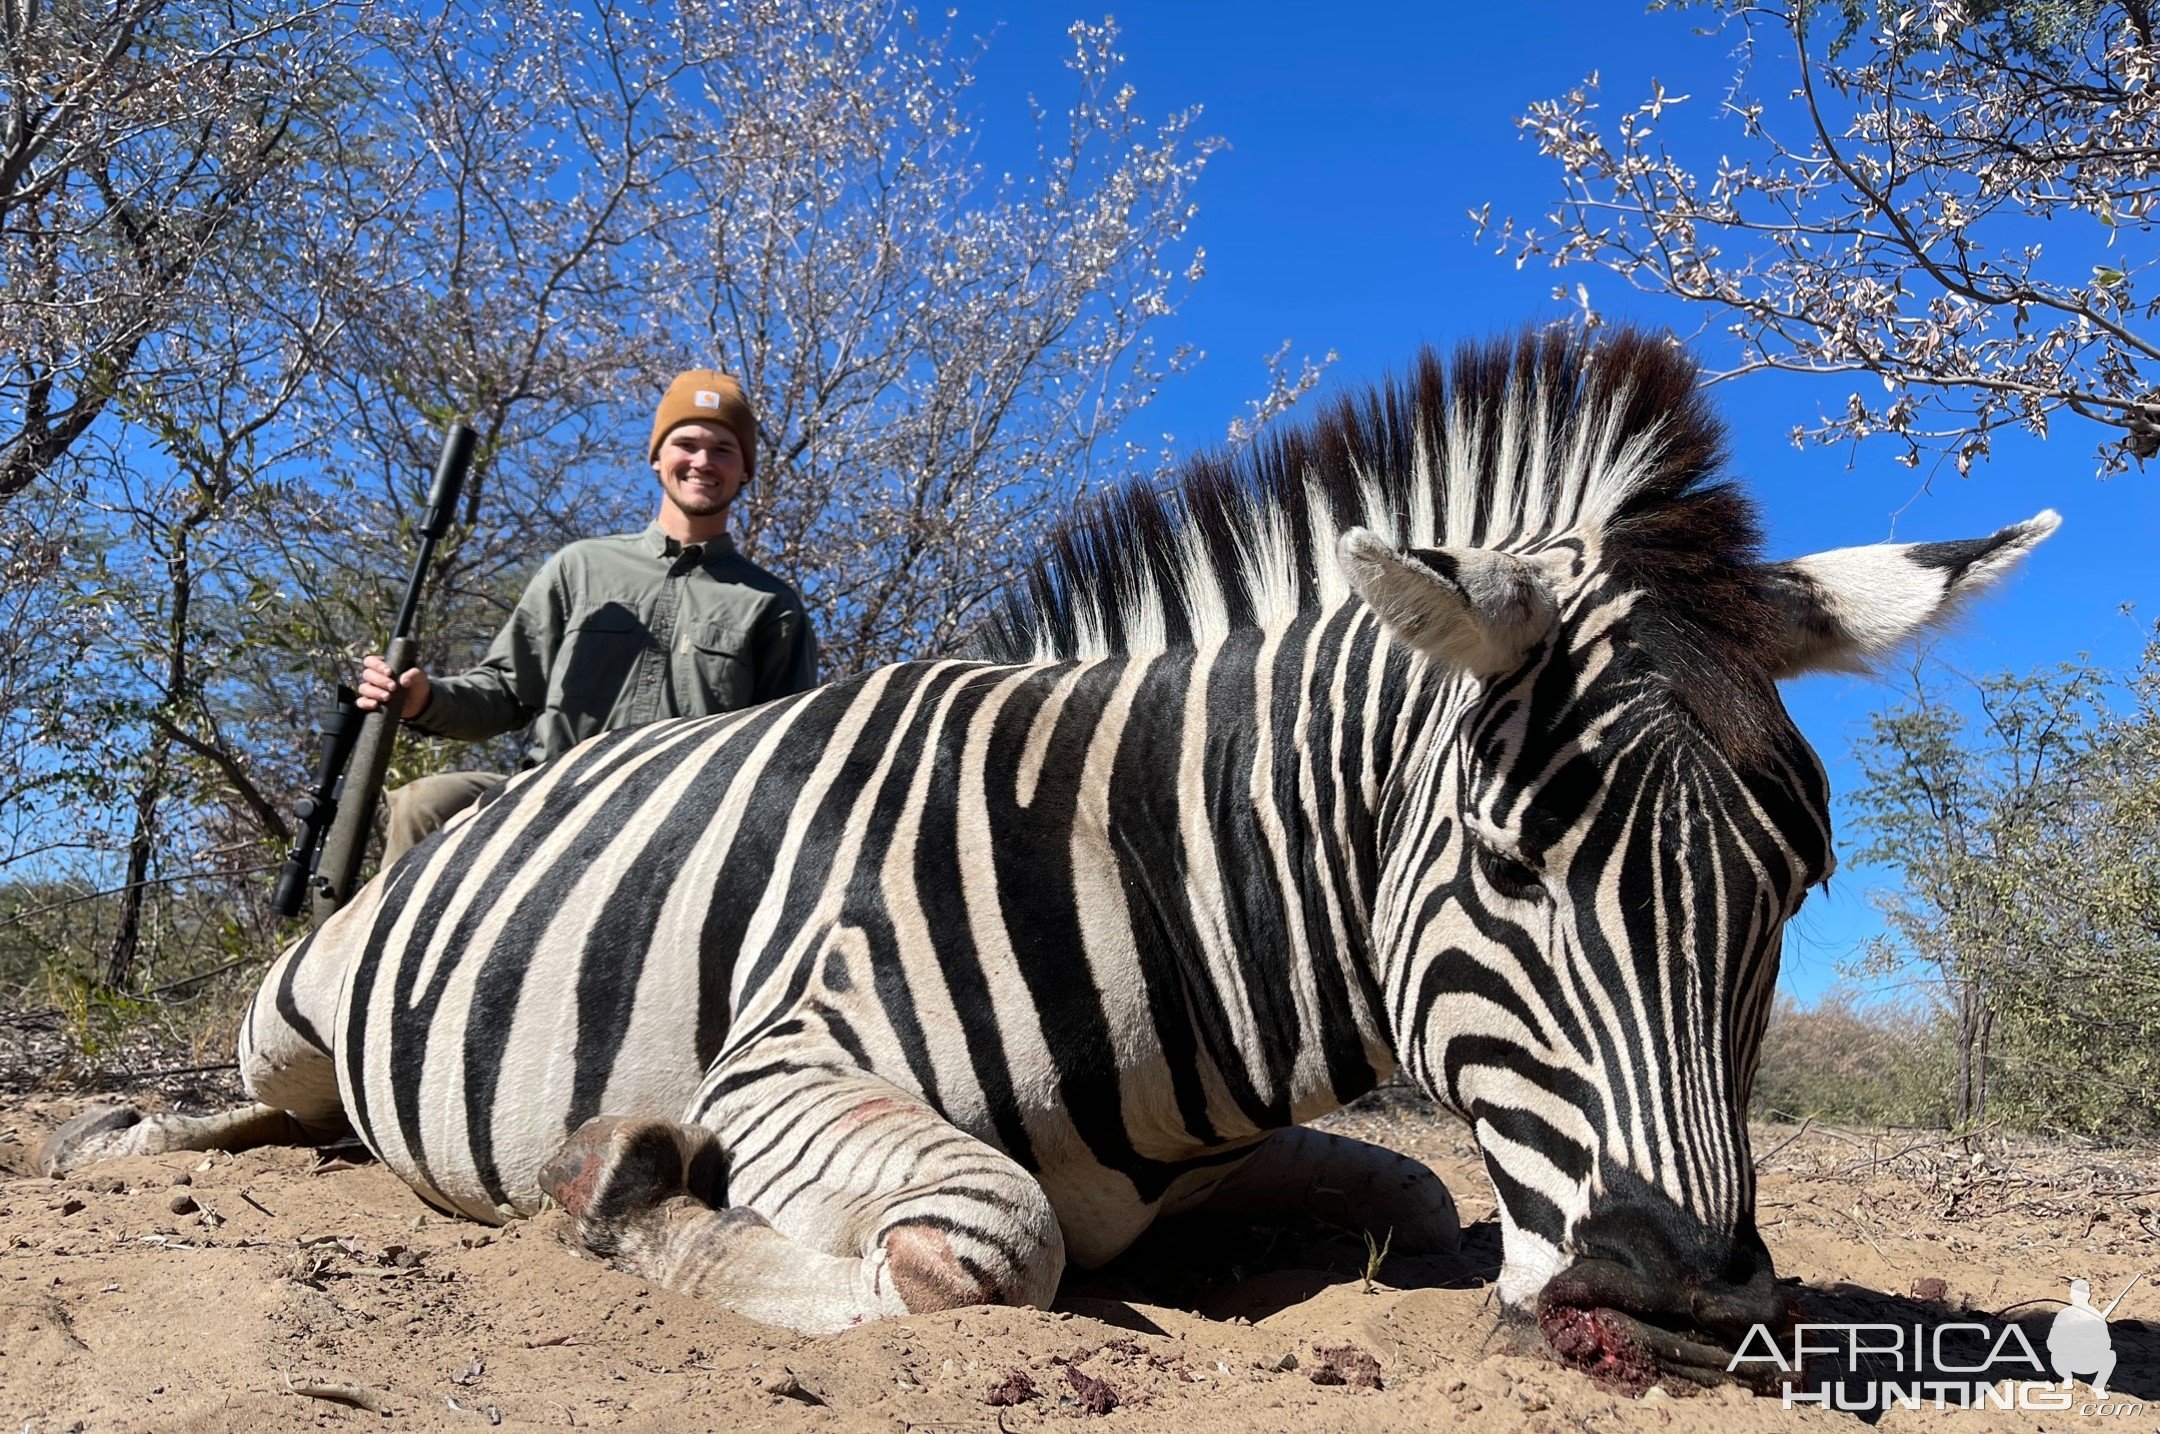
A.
pixel 337 873
pixel 314 812
pixel 338 815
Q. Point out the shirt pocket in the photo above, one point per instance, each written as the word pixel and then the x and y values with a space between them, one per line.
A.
pixel 600 648
pixel 720 672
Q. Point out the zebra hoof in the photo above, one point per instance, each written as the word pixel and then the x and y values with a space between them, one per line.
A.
pixel 613 1168
pixel 99 1133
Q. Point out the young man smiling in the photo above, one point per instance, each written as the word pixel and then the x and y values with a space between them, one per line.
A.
pixel 619 631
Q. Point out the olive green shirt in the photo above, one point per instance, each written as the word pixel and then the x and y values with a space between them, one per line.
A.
pixel 620 631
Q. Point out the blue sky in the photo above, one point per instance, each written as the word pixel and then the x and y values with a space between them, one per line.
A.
pixel 1360 137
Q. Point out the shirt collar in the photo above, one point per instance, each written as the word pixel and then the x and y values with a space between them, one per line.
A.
pixel 654 540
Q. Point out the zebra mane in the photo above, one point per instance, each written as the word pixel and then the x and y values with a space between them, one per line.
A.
pixel 1511 443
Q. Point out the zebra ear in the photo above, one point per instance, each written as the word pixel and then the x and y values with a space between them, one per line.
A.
pixel 1847 609
pixel 1470 608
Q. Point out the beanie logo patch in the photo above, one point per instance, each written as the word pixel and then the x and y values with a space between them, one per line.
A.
pixel 706 398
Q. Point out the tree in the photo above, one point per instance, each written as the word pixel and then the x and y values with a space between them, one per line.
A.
pixel 151 152
pixel 935 348
pixel 2023 829
pixel 570 204
pixel 574 203
pixel 137 136
pixel 2081 1047
pixel 530 215
pixel 1953 196
pixel 51 632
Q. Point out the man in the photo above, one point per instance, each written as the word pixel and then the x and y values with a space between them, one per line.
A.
pixel 624 630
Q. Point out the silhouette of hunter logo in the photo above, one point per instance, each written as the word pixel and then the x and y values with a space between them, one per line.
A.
pixel 2078 1341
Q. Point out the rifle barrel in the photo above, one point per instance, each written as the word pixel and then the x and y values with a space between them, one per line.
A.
pixel 338 814
pixel 457 451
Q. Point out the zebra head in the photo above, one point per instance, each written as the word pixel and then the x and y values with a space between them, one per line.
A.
pixel 1600 821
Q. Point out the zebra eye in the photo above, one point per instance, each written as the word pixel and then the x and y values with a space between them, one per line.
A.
pixel 1510 875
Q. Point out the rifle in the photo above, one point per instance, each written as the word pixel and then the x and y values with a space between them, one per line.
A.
pixel 337 815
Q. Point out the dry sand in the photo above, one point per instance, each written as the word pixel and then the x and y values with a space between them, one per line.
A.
pixel 193 1292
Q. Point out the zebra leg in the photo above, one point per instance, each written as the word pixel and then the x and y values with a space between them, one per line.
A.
pixel 883 1209
pixel 107 1132
pixel 1304 1172
pixel 284 1064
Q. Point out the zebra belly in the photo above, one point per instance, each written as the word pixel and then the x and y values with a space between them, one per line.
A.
pixel 466 1091
pixel 1101 1214
pixel 536 963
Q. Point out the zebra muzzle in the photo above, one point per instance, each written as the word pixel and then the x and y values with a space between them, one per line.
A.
pixel 1613 1323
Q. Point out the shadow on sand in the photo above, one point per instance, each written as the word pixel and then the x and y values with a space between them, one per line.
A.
pixel 1229 1269
pixel 1909 1347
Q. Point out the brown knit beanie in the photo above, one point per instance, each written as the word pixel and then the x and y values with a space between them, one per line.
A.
pixel 704 395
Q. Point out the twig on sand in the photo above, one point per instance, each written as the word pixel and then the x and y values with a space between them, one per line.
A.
pixel 116 1077
pixel 1934 1142
pixel 351 1394
pixel 1861 1228
pixel 1764 1158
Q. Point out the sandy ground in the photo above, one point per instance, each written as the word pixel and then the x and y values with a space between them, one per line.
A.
pixel 194 1292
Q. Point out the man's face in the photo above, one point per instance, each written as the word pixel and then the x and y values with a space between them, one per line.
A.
pixel 700 467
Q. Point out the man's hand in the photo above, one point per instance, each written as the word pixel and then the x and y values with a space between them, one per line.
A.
pixel 377 682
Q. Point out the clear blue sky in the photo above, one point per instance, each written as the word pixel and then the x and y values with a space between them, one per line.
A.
pixel 1360 136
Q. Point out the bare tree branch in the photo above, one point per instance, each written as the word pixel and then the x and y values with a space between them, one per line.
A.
pixel 1881 214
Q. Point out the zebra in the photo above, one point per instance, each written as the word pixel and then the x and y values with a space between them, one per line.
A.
pixel 1436 734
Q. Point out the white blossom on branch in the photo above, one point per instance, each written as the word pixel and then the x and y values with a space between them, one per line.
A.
pixel 139 142
pixel 940 353
pixel 1954 198
pixel 1284 389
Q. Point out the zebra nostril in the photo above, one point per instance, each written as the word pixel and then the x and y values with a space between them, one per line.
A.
pixel 1643 1253
pixel 1730 1311
pixel 1708 1306
pixel 1606 1284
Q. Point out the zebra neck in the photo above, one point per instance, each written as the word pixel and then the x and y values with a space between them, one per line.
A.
pixel 1242 813
pixel 1420 825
